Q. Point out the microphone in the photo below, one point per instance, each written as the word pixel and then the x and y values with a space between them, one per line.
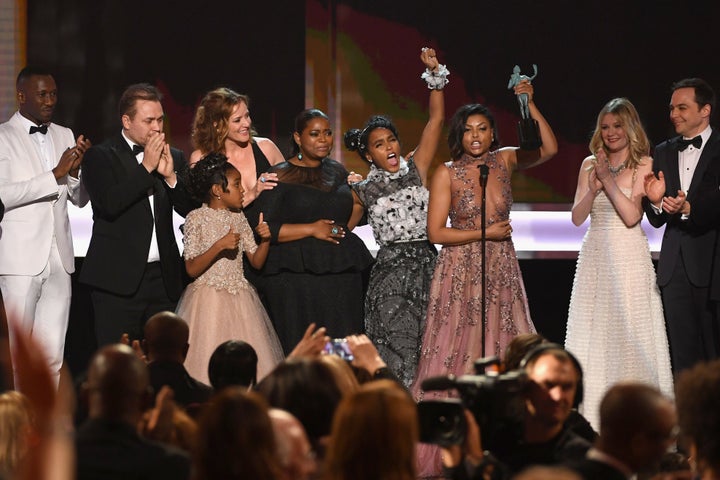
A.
pixel 484 171
pixel 439 383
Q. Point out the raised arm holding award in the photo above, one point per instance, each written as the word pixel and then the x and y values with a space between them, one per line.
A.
pixel 528 129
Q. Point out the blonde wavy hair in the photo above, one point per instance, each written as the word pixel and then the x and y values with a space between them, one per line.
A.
pixel 16 424
pixel 638 143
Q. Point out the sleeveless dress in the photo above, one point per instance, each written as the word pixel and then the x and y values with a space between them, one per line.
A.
pixel 311 280
pixel 452 340
pixel 396 299
pixel 616 327
pixel 221 304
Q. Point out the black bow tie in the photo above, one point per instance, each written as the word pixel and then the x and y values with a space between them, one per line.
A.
pixel 42 129
pixel 682 144
pixel 138 149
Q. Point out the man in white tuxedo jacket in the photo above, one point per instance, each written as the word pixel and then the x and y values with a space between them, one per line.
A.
pixel 39 172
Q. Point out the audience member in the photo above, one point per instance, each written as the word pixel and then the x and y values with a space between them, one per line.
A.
pixel 555 379
pixel 108 445
pixel 306 388
pixel 132 263
pixel 374 435
pixel 698 397
pixel 547 473
pixel 637 426
pixel 343 373
pixel 235 440
pixel 39 174
pixel 50 452
pixel 295 455
pixel 233 363
pixel 517 349
pixel 165 346
pixel 18 429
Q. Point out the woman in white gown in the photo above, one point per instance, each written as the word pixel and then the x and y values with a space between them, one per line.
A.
pixel 615 323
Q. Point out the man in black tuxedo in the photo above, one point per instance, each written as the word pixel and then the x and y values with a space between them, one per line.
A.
pixel 132 264
pixel 637 426
pixel 685 264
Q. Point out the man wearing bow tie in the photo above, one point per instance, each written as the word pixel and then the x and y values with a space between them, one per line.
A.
pixel 686 256
pixel 39 172
pixel 132 264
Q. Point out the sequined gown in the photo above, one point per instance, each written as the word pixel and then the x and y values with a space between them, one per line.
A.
pixel 615 324
pixel 396 299
pixel 452 339
pixel 221 304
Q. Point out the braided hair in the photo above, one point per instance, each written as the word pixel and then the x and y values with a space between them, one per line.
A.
pixel 356 140
pixel 208 171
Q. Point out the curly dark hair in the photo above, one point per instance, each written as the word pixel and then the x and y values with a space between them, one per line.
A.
pixel 356 140
pixel 208 171
pixel 457 127
pixel 697 394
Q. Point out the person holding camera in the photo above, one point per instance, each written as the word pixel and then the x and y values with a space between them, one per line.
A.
pixel 554 386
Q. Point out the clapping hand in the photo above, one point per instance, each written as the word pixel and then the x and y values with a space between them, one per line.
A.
pixel 654 187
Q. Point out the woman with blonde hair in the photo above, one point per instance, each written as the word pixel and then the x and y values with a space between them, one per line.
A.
pixel 615 323
pixel 16 431
pixel 374 435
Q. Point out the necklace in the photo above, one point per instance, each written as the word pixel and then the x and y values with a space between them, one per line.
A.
pixel 615 171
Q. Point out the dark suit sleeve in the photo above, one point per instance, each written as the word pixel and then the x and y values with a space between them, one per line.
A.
pixel 705 208
pixel 111 192
pixel 657 220
pixel 181 199
pixel 270 203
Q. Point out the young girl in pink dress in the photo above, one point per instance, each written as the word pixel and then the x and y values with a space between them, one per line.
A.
pixel 221 304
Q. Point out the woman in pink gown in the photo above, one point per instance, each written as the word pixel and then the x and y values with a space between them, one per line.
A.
pixel 453 336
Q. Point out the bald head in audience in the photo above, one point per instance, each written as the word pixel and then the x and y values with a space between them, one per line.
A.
pixel 295 454
pixel 118 385
pixel 166 337
pixel 637 425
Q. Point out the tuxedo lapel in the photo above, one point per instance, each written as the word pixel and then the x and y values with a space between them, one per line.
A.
pixel 709 152
pixel 121 150
pixel 672 171
pixel 30 151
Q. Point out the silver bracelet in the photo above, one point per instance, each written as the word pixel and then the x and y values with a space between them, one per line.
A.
pixel 436 80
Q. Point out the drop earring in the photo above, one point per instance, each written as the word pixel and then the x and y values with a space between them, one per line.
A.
pixel 300 156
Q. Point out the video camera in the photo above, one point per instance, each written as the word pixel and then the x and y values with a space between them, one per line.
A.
pixel 495 399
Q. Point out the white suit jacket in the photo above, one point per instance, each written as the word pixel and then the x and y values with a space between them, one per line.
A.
pixel 35 203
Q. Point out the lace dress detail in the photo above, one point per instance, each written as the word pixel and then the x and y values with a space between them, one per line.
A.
pixel 221 304
pixel 615 325
pixel 396 300
pixel 452 340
